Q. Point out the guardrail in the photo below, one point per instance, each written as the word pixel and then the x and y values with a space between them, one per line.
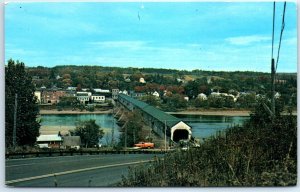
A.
pixel 78 152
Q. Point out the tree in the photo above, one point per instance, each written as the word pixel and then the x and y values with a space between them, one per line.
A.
pixel 132 130
pixel 89 132
pixel 151 100
pixel 18 85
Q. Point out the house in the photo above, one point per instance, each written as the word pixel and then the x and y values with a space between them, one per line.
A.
pixel 83 97
pixel 115 93
pixel 124 92
pixel 49 141
pixel 156 94
pixel 97 98
pixel 202 96
pixel 277 95
pixel 180 80
pixel 215 94
pixel 136 94
pixel 142 80
pixel 71 88
pixel 101 90
pixel 186 98
pixel 127 80
pixel 73 142
pixel 52 95
pixel 38 95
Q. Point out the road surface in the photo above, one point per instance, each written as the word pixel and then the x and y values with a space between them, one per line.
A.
pixel 72 171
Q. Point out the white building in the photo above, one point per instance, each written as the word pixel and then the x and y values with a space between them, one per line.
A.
pixel 142 80
pixel 38 95
pixel 202 96
pixel 156 94
pixel 102 90
pixel 98 98
pixel 83 97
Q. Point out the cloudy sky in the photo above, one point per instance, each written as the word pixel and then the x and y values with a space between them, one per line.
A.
pixel 196 35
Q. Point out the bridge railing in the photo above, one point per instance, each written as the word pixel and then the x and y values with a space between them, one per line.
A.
pixel 78 152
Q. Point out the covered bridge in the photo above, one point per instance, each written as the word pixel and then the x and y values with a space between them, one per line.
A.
pixel 158 120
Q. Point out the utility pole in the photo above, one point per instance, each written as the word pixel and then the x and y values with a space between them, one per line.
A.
pixel 112 132
pixel 15 121
pixel 165 135
pixel 125 137
pixel 273 87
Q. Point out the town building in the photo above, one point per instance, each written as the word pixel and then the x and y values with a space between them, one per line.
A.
pixel 202 96
pixel 115 93
pixel 156 94
pixel 49 141
pixel 52 95
pixel 83 97
pixel 142 80
pixel 38 95
pixel 97 98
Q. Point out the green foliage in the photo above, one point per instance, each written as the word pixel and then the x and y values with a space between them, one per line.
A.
pixel 151 100
pixel 216 101
pixel 17 81
pixel 132 130
pixel 198 102
pixel 89 132
pixel 68 102
pixel 263 152
pixel 174 102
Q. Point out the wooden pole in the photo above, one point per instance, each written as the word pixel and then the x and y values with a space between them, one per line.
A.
pixel 15 121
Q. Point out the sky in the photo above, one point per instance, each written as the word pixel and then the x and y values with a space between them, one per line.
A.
pixel 219 36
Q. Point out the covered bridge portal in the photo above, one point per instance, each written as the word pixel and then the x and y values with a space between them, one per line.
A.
pixel 158 120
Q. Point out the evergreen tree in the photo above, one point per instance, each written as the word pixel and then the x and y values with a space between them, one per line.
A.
pixel 17 81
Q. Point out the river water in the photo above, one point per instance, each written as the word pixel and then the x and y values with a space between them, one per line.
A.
pixel 203 126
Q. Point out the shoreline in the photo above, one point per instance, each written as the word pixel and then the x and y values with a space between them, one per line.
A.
pixel 215 112
pixel 70 112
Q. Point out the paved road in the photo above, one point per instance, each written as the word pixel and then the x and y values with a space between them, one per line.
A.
pixel 72 171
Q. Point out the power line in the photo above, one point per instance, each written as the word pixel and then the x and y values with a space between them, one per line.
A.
pixel 282 28
pixel 273 29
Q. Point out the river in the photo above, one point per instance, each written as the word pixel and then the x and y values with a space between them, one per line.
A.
pixel 203 126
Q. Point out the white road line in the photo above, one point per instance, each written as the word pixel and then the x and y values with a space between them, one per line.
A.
pixel 20 165
pixel 98 158
pixel 73 171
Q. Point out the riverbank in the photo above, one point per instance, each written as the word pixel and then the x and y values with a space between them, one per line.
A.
pixel 70 112
pixel 215 112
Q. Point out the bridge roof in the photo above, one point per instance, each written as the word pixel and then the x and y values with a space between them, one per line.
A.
pixel 159 115
pixel 135 102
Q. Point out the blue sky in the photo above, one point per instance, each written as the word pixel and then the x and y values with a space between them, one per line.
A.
pixel 196 35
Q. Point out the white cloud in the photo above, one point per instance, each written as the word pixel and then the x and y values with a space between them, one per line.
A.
pixel 247 40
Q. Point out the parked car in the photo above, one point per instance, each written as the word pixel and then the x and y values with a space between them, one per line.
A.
pixel 144 145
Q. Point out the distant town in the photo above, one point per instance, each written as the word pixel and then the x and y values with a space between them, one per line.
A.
pixel 170 90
